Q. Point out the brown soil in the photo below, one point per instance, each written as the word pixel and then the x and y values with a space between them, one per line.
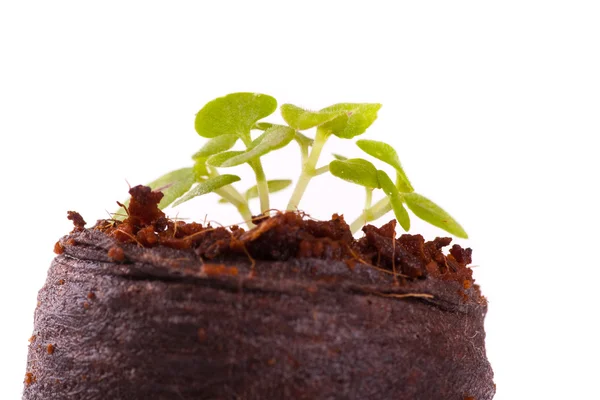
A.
pixel 284 236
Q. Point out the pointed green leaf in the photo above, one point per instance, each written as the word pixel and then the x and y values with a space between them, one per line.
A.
pixel 339 157
pixel 234 114
pixel 303 140
pixel 386 153
pixel 262 126
pixel 275 185
pixel 173 185
pixel 216 145
pixel 200 169
pixel 354 119
pixel 355 170
pixel 217 160
pixel 301 119
pixel 430 212
pixel 274 138
pixel 391 191
pixel 210 185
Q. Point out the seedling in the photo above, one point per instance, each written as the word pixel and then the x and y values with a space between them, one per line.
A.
pixel 235 118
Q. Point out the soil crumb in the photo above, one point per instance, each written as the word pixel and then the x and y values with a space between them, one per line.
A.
pixel 78 221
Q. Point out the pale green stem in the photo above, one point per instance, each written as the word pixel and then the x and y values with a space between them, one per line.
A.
pixel 230 194
pixel 321 171
pixel 261 185
pixel 308 169
pixel 261 180
pixel 368 199
pixel 304 153
pixel 241 206
pixel 229 188
pixel 380 208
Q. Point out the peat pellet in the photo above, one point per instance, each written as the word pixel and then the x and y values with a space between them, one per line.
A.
pixel 164 323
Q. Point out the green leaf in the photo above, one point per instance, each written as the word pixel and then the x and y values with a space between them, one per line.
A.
pixel 173 185
pixel 353 119
pixel 339 157
pixel 301 119
pixel 262 126
pixel 393 194
pixel 200 168
pixel 218 159
pixel 216 145
pixel 430 212
pixel 210 185
pixel 275 185
pixel 355 170
pixel 303 140
pixel 234 114
pixel 274 138
pixel 386 153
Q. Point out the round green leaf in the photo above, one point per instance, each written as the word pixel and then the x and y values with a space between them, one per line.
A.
pixel 273 138
pixel 393 194
pixel 210 185
pixel 216 145
pixel 355 170
pixel 430 212
pixel 353 119
pixel 234 114
pixel 301 119
pixel 386 153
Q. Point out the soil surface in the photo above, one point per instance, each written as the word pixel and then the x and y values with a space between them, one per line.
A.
pixel 284 236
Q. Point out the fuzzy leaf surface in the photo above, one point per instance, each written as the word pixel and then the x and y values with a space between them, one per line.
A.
pixel 216 145
pixel 355 170
pixel 234 114
pixel 353 119
pixel 430 212
pixel 218 160
pixel 273 138
pixel 301 119
pixel 208 186
pixel 395 197
pixel 386 153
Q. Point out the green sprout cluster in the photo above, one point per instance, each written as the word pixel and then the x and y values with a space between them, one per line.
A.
pixel 232 118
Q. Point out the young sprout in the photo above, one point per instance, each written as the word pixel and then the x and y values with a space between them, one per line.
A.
pixel 344 120
pixel 236 114
pixel 232 118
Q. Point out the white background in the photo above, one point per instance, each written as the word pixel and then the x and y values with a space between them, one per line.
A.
pixel 492 106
